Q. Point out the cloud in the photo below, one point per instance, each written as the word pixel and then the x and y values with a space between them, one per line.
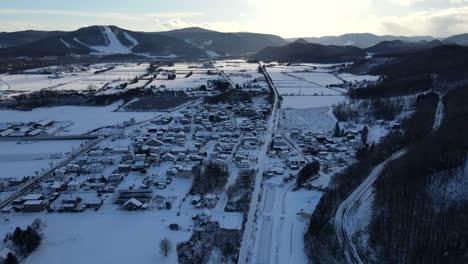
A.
pixel 143 22
pixel 107 15
pixel 409 2
pixel 439 23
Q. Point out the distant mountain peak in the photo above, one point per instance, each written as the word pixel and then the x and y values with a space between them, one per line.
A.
pixel 301 40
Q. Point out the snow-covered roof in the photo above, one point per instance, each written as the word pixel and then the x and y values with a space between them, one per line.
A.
pixel 4 253
pixel 32 196
pixel 134 202
pixel 33 202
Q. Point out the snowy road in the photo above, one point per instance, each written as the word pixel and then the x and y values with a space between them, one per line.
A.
pixel 343 219
pixel 248 239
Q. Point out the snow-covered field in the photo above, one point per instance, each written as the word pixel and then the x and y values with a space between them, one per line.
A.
pixel 84 118
pixel 72 81
pixel 318 120
pixel 293 226
pixel 358 78
pixel 37 82
pixel 319 78
pixel 302 102
pixel 181 83
pixel 26 147
pixel 103 236
pixel 310 83
pixel 19 160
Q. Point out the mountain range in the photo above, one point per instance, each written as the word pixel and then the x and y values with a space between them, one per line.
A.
pixel 361 40
pixel 107 40
pixel 194 43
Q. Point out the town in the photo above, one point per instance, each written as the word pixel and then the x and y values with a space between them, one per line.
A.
pixel 200 144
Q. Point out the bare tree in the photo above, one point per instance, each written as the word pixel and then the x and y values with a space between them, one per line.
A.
pixel 165 246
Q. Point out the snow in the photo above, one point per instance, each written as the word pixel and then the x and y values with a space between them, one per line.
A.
pixel 302 102
pixel 318 78
pixel 207 43
pixel 103 237
pixel 66 44
pixel 36 82
pixel 212 54
pixel 26 147
pixel 358 78
pixel 449 186
pixel 131 39
pixel 114 46
pixel 376 132
pixel 314 84
pixel 25 162
pixel 319 120
pixel 84 118
pixel 23 168
pixel 182 83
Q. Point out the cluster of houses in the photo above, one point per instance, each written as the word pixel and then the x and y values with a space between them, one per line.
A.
pixel 31 129
pixel 53 202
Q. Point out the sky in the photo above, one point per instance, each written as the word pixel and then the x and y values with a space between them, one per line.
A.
pixel 286 18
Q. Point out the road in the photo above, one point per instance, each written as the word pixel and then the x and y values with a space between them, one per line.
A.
pixel 439 117
pixel 49 138
pixel 345 212
pixel 248 239
pixel 233 85
pixel 34 183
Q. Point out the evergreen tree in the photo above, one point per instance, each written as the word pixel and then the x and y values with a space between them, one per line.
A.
pixel 307 172
pixel 11 259
pixel 337 132
pixel 364 134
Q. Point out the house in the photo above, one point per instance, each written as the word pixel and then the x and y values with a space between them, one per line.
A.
pixel 45 123
pixel 123 168
pixel 196 199
pixel 114 178
pixel 93 203
pixel 74 186
pixel 57 186
pixel 7 132
pixel 169 157
pixel 33 196
pixel 35 132
pixel 4 254
pixel 32 206
pixel 184 171
pixel 132 204
pixel 153 142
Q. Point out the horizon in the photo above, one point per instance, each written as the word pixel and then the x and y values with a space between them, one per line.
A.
pixel 436 18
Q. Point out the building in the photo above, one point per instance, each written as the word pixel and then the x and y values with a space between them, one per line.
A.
pixel 74 186
pixel 32 206
pixel 132 204
pixel 4 254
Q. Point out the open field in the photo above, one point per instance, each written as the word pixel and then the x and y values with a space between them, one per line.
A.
pixel 157 103
pixel 83 118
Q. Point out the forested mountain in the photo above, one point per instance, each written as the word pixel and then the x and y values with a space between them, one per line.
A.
pixel 308 52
